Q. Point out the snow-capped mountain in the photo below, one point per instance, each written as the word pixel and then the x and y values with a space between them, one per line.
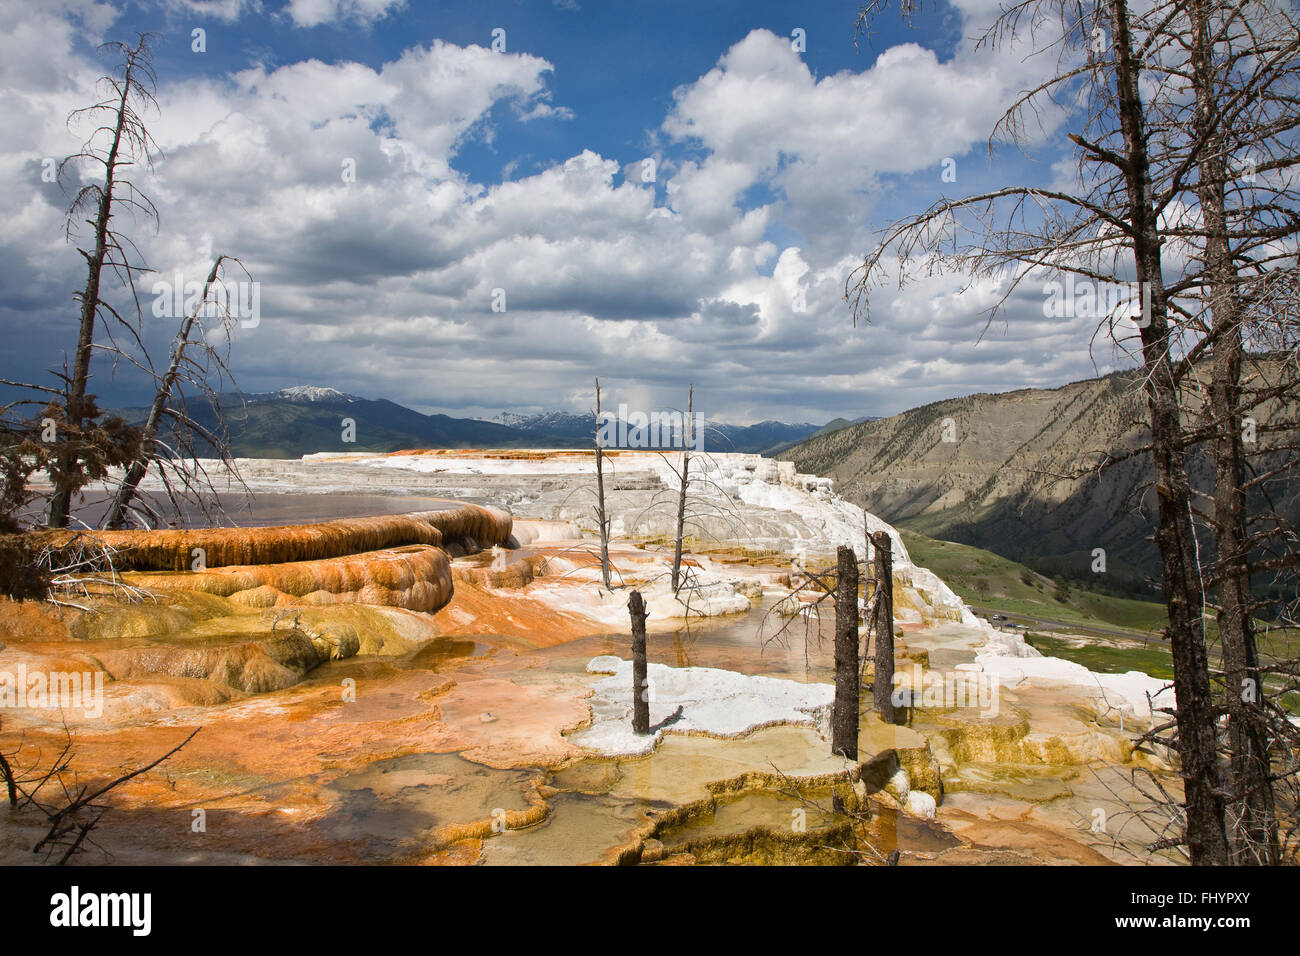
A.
pixel 554 422
pixel 311 393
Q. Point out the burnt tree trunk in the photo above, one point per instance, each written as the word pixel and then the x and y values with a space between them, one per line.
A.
pixel 1256 837
pixel 883 625
pixel 681 499
pixel 1207 839
pixel 844 712
pixel 601 517
pixel 75 394
pixel 136 471
pixel 640 690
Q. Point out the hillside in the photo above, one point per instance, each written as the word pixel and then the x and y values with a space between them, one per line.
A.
pixel 996 483
pixel 993 583
pixel 1102 632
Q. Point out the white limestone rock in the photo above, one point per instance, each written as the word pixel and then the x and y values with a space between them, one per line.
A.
pixel 717 702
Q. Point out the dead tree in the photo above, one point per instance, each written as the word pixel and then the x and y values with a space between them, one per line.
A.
pixel 695 511
pixel 1184 595
pixel 1108 228
pixel 1212 65
pixel 602 519
pixel 198 363
pixel 883 626
pixel 845 711
pixel 119 140
pixel 640 684
pixel 73 818
pixel 681 498
pixel 68 438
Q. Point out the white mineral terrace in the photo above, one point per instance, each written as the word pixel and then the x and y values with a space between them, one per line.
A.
pixel 492 676
pixel 737 502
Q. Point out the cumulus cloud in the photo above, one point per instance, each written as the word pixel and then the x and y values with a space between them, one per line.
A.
pixel 339 188
pixel 824 143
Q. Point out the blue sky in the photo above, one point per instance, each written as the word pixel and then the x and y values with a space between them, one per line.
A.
pixel 520 171
pixel 616 64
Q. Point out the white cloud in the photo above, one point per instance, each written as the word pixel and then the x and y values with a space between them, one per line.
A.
pixel 312 13
pixel 823 143
pixel 383 286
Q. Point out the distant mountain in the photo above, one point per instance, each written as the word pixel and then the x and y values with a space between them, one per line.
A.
pixel 981 470
pixel 578 429
pixel 306 419
pixel 834 425
pixel 310 393
pixel 762 438
pixel 765 438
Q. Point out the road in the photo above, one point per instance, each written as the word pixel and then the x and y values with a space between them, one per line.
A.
pixel 1068 626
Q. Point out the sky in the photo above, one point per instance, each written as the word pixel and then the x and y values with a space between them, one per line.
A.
pixel 476 207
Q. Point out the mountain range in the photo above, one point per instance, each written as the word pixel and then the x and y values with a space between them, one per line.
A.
pixel 766 438
pixel 983 470
pixel 308 418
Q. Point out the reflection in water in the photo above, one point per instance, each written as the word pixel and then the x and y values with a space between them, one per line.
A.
pixel 394 808
pixel 683 643
pixel 735 642
pixel 890 830
pixel 441 650
pixel 580 828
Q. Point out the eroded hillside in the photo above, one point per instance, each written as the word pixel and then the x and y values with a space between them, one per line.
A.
pixel 991 471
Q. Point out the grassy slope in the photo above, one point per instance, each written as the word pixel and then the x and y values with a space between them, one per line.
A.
pixel 1106 658
pixel 990 580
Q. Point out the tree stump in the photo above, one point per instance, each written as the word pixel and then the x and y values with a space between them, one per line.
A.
pixel 844 712
pixel 883 625
pixel 640 690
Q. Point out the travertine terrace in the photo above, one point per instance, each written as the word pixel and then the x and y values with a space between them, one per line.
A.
pixel 435 686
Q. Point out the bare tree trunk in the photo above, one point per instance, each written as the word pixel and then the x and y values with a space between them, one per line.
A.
pixel 883 621
pixel 11 785
pixel 1256 839
pixel 681 498
pixel 600 497
pixel 640 688
pixel 75 395
pixel 61 501
pixel 136 471
pixel 1206 829
pixel 844 712
pixel 1249 765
